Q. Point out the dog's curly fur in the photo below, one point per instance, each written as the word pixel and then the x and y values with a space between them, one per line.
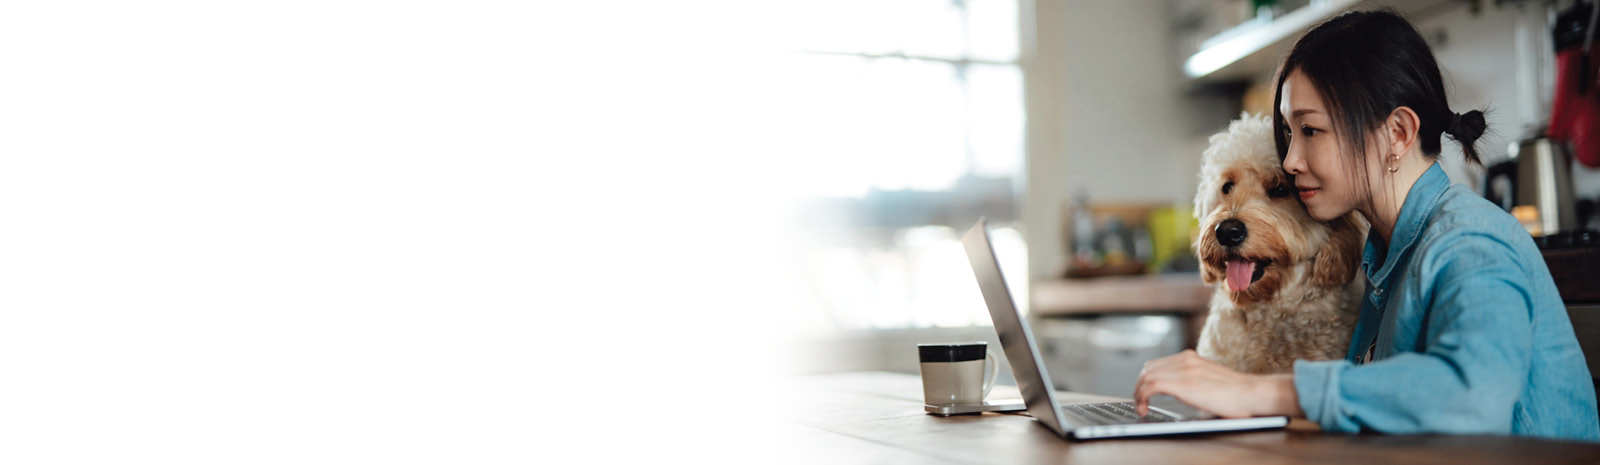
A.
pixel 1305 302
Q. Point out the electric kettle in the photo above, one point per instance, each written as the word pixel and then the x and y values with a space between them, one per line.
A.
pixel 1544 199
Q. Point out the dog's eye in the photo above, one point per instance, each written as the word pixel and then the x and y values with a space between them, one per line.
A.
pixel 1227 187
pixel 1278 191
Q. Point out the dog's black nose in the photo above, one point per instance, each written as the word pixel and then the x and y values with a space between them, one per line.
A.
pixel 1231 233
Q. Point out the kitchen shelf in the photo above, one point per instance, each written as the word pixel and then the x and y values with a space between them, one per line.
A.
pixel 1251 50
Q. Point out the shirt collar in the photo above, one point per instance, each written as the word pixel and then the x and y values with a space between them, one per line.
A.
pixel 1420 202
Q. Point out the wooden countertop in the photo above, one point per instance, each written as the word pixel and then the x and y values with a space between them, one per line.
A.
pixel 1176 293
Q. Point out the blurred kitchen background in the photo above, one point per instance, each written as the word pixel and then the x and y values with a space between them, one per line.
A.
pixel 1076 128
pixel 427 229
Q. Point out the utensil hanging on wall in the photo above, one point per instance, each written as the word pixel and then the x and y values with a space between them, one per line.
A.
pixel 1575 111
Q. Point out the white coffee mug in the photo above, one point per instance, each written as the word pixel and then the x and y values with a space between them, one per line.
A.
pixel 954 374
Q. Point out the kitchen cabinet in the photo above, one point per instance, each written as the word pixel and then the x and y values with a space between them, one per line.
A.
pixel 1182 294
pixel 1577 275
pixel 1249 51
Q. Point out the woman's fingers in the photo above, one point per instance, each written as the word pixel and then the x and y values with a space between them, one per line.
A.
pixel 1145 387
pixel 1166 362
pixel 1174 375
pixel 1154 381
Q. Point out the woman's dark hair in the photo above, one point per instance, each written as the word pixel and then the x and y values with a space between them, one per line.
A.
pixel 1365 65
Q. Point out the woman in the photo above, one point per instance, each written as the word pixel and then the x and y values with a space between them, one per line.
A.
pixel 1461 330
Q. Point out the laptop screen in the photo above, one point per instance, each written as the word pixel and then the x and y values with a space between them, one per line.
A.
pixel 1027 366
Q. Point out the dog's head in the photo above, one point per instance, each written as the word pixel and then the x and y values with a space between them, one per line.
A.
pixel 1254 234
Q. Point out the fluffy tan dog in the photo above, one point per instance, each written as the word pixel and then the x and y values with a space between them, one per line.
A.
pixel 1285 281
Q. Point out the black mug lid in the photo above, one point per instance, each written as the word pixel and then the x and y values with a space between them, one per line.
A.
pixel 962 352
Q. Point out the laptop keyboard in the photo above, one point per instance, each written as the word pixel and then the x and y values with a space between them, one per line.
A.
pixel 1112 413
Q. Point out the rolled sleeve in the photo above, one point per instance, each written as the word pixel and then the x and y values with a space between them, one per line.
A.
pixel 1316 384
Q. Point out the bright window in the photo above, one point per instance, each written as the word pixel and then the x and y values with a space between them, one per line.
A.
pixel 913 116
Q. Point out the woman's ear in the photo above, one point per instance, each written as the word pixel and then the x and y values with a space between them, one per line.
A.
pixel 1403 129
pixel 1338 260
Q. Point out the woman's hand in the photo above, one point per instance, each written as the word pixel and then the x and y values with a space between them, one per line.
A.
pixel 1214 388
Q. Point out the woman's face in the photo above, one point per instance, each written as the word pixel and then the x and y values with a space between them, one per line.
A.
pixel 1314 158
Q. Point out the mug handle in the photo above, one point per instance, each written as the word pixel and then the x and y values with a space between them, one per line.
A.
pixel 994 373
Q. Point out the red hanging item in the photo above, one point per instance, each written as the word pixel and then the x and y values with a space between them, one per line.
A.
pixel 1575 111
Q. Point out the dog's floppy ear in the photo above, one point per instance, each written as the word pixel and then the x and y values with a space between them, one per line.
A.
pixel 1206 196
pixel 1205 199
pixel 1209 274
pixel 1338 260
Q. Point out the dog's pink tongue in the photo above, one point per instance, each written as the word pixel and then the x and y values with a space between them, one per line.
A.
pixel 1239 272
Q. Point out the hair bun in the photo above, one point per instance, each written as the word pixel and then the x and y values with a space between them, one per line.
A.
pixel 1466 128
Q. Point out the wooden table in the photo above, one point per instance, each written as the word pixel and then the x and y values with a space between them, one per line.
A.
pixel 878 418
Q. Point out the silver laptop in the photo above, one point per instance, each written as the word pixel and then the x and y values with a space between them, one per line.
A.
pixel 1082 421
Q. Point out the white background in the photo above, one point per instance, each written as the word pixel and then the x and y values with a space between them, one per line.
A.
pixel 385 232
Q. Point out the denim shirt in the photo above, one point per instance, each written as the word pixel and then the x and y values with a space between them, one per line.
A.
pixel 1468 333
